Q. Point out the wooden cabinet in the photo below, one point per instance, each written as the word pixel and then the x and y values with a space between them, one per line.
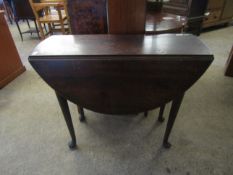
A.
pixel 219 12
pixel 215 4
pixel 214 16
pixel 10 63
pixel 228 10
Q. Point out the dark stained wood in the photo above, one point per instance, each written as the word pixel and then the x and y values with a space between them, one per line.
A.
pixel 81 114
pixel 126 17
pixel 158 23
pixel 161 118
pixel 229 65
pixel 88 47
pixel 23 9
pixel 125 74
pixel 66 113
pixel 172 116
pixel 87 16
pixel 77 67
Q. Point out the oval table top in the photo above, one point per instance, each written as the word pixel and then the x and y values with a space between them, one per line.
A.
pixel 159 23
pixel 121 74
pixel 118 45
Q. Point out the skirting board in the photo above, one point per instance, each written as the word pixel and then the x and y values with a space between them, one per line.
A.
pixel 11 76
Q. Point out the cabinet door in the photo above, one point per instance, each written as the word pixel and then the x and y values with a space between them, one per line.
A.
pixel 215 4
pixel 228 10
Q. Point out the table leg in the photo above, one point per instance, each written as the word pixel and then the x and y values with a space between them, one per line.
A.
pixel 66 113
pixel 161 118
pixel 172 116
pixel 81 114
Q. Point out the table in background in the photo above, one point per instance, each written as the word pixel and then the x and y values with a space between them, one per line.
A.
pixel 158 23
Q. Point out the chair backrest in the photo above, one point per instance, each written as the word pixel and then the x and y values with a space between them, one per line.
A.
pixel 35 8
pixel 88 16
pixel 40 5
pixel 23 9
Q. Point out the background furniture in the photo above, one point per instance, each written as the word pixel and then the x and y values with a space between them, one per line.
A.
pixel 87 16
pixel 154 5
pixel 50 18
pixel 10 63
pixel 1 5
pixel 219 12
pixel 159 23
pixel 215 12
pixel 126 17
pixel 6 6
pixel 178 7
pixel 229 65
pixel 90 17
pixel 193 9
pixel 23 11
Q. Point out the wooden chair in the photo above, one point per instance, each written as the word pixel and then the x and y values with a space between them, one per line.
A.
pixel 23 12
pixel 44 13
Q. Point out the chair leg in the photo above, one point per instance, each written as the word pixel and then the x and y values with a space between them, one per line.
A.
pixel 69 28
pixel 28 26
pixel 45 28
pixel 37 29
pixel 63 28
pixel 146 113
pixel 50 28
pixel 53 25
pixel 17 24
pixel 41 31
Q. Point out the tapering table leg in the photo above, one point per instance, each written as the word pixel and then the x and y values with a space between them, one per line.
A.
pixel 81 114
pixel 161 118
pixel 66 113
pixel 172 116
pixel 146 113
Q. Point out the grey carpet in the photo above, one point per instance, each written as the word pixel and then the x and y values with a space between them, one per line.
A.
pixel 33 134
